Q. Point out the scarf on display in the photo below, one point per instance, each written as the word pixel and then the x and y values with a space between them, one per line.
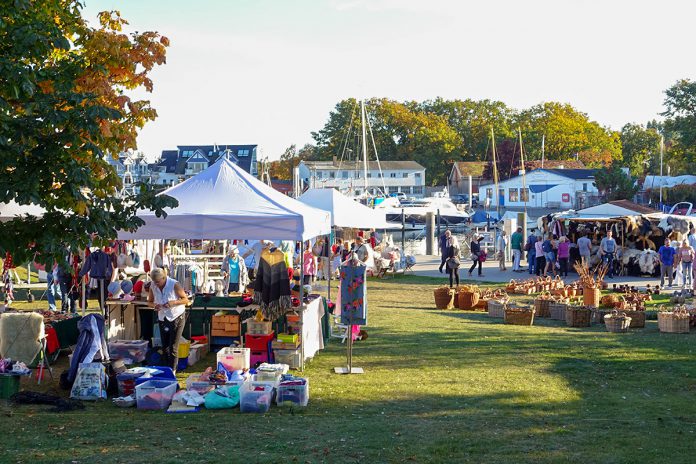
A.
pixel 272 285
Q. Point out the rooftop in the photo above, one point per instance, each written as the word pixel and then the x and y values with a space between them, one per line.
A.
pixel 371 165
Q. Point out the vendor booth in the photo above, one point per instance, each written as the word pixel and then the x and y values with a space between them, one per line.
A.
pixel 222 203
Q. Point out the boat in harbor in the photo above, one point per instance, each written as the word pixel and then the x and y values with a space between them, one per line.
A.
pixel 415 210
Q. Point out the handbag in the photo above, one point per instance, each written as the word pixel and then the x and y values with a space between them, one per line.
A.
pixel 452 263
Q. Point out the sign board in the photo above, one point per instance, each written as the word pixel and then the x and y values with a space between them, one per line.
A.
pixel 566 198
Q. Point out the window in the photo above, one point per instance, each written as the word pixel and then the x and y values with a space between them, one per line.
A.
pixel 404 175
pixel 380 175
pixel 584 187
pixel 210 153
pixel 418 175
pixel 393 175
pixel 418 190
pixel 393 189
pixel 332 175
pixel 320 174
pixel 512 194
pixel 524 194
pixel 489 193
pixel 242 152
pixel 344 174
pixel 369 175
pixel 406 189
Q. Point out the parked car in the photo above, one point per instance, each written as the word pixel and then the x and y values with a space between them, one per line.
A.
pixel 463 199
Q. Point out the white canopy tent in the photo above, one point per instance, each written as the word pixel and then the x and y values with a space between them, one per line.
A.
pixel 225 202
pixel 345 212
pixel 12 209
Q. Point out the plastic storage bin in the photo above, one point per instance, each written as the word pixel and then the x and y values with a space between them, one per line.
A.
pixel 194 383
pixel 155 394
pixel 166 374
pixel 195 354
pixel 258 342
pixel 126 383
pixel 255 398
pixel 259 328
pixel 128 350
pixel 291 392
pixel 182 364
pixel 234 358
pixel 258 357
pixel 292 358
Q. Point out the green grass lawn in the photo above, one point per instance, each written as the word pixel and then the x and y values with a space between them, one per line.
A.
pixel 439 386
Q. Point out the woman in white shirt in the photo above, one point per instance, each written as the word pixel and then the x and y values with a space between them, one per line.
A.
pixel 168 298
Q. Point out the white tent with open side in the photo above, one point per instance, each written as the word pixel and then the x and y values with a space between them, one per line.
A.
pixel 225 202
pixel 345 212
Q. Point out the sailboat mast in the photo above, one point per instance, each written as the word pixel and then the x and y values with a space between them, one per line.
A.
pixel 543 140
pixel 662 150
pixel 524 172
pixel 364 142
pixel 495 174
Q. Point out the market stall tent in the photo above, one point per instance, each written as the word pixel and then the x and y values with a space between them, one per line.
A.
pixel 345 212
pixel 12 209
pixel 615 208
pixel 225 202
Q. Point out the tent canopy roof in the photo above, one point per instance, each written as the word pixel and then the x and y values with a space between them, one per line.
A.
pixel 345 212
pixel 226 202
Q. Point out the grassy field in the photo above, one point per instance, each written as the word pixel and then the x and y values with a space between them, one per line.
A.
pixel 439 386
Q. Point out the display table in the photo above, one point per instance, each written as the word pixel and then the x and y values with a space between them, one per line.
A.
pixel 125 326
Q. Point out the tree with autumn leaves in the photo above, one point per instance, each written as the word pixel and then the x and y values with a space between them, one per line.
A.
pixel 65 105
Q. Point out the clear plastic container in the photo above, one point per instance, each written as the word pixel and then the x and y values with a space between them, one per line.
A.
pixel 290 357
pixel 234 358
pixel 128 350
pixel 155 394
pixel 298 395
pixel 255 398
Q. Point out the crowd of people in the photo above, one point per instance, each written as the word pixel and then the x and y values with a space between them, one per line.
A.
pixel 550 255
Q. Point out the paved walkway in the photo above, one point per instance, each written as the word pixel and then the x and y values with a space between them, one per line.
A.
pixel 428 266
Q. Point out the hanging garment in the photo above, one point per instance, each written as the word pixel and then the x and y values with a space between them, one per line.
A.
pixel 353 295
pixel 89 343
pixel 98 265
pixel 272 286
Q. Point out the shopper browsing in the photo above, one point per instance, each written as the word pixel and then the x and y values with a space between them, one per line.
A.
pixel 168 298
pixel 667 255
pixel 686 258
pixel 516 247
pixel 607 251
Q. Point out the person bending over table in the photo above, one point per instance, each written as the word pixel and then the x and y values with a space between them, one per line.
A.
pixel 168 298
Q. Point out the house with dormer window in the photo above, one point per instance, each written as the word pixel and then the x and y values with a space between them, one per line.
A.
pixel 186 161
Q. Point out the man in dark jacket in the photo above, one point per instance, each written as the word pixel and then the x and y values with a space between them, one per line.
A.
pixel 443 247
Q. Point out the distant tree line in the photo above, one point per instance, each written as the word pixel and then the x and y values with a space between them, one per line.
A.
pixel 438 132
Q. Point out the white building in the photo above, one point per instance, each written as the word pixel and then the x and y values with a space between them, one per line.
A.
pixel 544 188
pixel 407 177
pixel 132 168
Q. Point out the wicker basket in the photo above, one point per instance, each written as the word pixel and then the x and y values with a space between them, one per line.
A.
pixel 444 298
pixel 578 316
pixel 467 300
pixel 591 296
pixel 519 316
pixel 557 310
pixel 676 321
pixel 599 314
pixel 496 308
pixel 617 322
pixel 541 305
pixel 637 319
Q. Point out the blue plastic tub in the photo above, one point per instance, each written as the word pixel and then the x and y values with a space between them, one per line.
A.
pixel 167 374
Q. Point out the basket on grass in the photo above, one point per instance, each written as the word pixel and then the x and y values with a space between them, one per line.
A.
pixel 557 310
pixel 617 322
pixel 541 304
pixel 497 304
pixel 444 298
pixel 598 315
pixel 468 297
pixel 637 318
pixel 591 296
pixel 578 316
pixel 676 321
pixel 519 315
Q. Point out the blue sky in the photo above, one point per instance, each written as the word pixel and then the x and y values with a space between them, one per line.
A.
pixel 269 71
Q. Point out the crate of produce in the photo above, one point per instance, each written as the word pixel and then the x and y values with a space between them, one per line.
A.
pixel 255 397
pixel 225 326
pixel 444 298
pixel 234 358
pixel 155 394
pixel 519 316
pixel 292 358
pixel 578 316
pixel 9 385
pixel 294 392
pixel 255 327
pixel 258 342
pixel 129 351
pixel 676 321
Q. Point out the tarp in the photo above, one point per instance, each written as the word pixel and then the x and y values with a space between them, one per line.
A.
pixel 226 202
pixel 345 212
pixel 482 216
